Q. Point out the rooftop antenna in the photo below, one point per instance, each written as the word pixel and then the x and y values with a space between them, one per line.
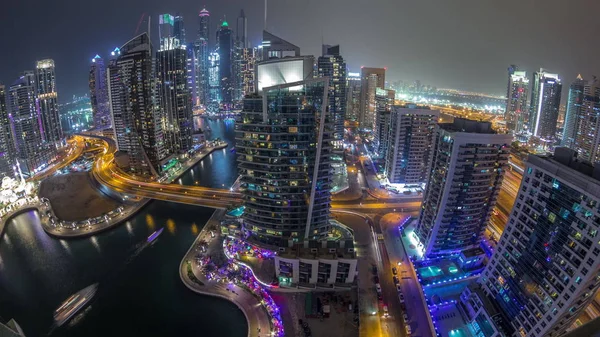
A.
pixel 265 15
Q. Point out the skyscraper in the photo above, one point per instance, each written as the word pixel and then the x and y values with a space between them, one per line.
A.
pixel 214 83
pixel 174 99
pixel 47 102
pixel 179 29
pixel 353 98
pixel 582 127
pixel 545 101
pixel 32 152
pixel 371 78
pixel 136 119
pixel 6 139
pixel 286 186
pixel 463 182
pixel 284 70
pixel 99 94
pixel 248 73
pixel 241 30
pixel 544 271
pixel 516 113
pixel 225 50
pixel 275 47
pixel 410 144
pixel 201 53
pixel 332 65
pixel 384 99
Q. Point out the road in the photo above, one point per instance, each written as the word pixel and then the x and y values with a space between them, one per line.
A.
pixel 76 145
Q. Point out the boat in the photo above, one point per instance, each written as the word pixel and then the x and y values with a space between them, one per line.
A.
pixel 74 304
pixel 232 149
pixel 155 235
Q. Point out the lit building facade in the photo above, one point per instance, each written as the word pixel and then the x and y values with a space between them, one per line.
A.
pixel 384 99
pixel 166 30
pixel 410 144
pixel 371 79
pixel 286 70
pixel 6 138
pixel 353 96
pixel 463 182
pixel 284 156
pixel 174 100
pixel 225 44
pixel 47 102
pixel 99 94
pixel 332 65
pixel 214 84
pixel 582 127
pixel 516 114
pixel 179 29
pixel 201 62
pixel 137 122
pixel 545 102
pixel 544 271
pixel 248 73
pixel 32 152
pixel 275 47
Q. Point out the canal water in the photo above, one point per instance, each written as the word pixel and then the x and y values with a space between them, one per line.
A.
pixel 140 292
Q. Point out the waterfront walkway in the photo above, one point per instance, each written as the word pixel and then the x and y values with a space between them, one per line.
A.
pixel 259 322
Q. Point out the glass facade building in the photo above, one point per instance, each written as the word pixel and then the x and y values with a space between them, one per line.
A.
pixel 283 141
pixel 544 105
pixel 516 115
pixel 332 65
pixel 99 94
pixel 47 102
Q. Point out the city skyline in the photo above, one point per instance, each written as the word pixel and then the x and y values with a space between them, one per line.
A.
pixel 463 67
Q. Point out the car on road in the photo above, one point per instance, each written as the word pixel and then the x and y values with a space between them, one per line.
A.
pixel 374 269
pixel 385 311
pixel 396 280
pixel 376 279
pixel 398 289
pixel 394 271
pixel 401 297
pixel 405 317
pixel 408 331
pixel 378 287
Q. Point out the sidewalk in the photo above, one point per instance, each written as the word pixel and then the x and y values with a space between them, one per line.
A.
pixel 259 321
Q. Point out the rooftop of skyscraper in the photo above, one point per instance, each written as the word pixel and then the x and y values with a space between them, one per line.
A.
pixel 565 164
pixel 468 125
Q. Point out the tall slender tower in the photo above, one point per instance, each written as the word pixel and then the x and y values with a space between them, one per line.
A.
pixel 332 65
pixel 371 78
pixel 99 94
pixel 545 102
pixel 166 29
pixel 47 101
pixel 137 121
pixel 582 127
pixel 241 30
pixel 32 152
pixel 516 114
pixel 179 29
pixel 174 99
pixel 225 50
pixel 6 139
pixel 201 53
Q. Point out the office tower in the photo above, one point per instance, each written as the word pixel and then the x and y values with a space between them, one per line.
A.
pixel 275 47
pixel 241 30
pixel 545 101
pixel 370 78
pixel 32 152
pixel 516 113
pixel 582 128
pixel 545 268
pixel 225 51
pixel 191 73
pixel 6 139
pixel 247 70
pixel 384 99
pixel 284 162
pixel 179 29
pixel 174 100
pixel 201 54
pixel 511 71
pixel 136 119
pixel 284 70
pixel 47 101
pixel 463 182
pixel 214 83
pixel 99 94
pixel 353 98
pixel 410 144
pixel 332 65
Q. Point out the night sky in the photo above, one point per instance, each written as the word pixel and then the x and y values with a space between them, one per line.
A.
pixel 463 44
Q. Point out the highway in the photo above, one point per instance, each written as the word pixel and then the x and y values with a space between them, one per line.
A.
pixel 76 146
